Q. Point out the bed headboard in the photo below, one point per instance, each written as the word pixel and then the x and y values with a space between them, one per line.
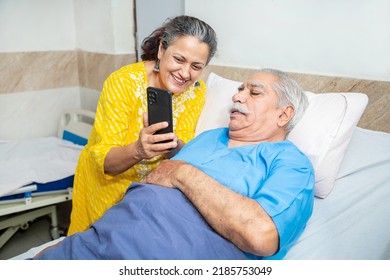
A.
pixel 76 125
pixel 376 115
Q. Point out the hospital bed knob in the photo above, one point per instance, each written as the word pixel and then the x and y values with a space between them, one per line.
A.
pixel 24 226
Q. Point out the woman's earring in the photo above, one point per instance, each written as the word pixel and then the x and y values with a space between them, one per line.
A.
pixel 157 66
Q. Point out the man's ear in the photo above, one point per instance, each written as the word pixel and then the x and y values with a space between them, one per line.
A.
pixel 286 115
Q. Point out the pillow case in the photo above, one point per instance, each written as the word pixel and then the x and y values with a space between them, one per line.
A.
pixel 323 133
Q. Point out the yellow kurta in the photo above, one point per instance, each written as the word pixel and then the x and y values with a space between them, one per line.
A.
pixel 118 123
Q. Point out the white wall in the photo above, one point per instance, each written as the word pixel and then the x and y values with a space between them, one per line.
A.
pixel 104 26
pixel 34 114
pixel 349 38
pixel 36 25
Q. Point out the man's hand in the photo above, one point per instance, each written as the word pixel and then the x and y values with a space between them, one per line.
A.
pixel 165 174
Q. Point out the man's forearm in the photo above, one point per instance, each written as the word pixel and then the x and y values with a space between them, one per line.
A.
pixel 237 218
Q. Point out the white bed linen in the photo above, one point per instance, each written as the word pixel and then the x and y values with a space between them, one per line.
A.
pixel 38 160
pixel 353 222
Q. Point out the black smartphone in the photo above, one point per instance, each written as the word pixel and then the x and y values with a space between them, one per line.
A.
pixel 160 108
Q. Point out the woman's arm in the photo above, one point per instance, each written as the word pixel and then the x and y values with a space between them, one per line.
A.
pixel 120 159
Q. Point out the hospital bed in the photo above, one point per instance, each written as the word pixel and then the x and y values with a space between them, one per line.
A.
pixel 37 174
pixel 351 216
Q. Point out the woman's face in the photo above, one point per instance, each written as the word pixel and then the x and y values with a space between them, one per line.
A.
pixel 182 63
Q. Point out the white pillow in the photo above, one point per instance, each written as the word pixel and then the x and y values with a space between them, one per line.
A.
pixel 323 133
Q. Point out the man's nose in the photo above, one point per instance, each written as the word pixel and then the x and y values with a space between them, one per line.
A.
pixel 240 96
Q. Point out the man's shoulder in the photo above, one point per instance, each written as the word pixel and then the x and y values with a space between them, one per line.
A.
pixel 289 152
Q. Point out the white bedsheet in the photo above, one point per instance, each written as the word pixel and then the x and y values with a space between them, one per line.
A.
pixel 353 222
pixel 38 160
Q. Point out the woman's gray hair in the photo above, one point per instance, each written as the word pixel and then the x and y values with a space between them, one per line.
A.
pixel 177 27
pixel 190 26
pixel 290 94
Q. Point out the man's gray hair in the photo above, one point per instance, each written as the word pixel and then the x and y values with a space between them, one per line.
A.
pixel 290 94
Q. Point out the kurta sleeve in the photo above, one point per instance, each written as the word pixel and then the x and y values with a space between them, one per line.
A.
pixel 115 109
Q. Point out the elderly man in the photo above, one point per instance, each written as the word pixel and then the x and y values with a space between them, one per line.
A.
pixel 242 192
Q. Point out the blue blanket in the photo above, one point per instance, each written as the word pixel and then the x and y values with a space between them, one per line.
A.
pixel 151 222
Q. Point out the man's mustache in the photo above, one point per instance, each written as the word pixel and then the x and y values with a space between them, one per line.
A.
pixel 237 106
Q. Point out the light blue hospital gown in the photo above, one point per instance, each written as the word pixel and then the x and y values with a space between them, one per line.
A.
pixel 277 175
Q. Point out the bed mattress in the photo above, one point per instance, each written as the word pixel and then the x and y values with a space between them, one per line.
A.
pixel 47 163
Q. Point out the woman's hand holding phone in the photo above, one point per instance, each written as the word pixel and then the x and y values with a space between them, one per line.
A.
pixel 150 143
